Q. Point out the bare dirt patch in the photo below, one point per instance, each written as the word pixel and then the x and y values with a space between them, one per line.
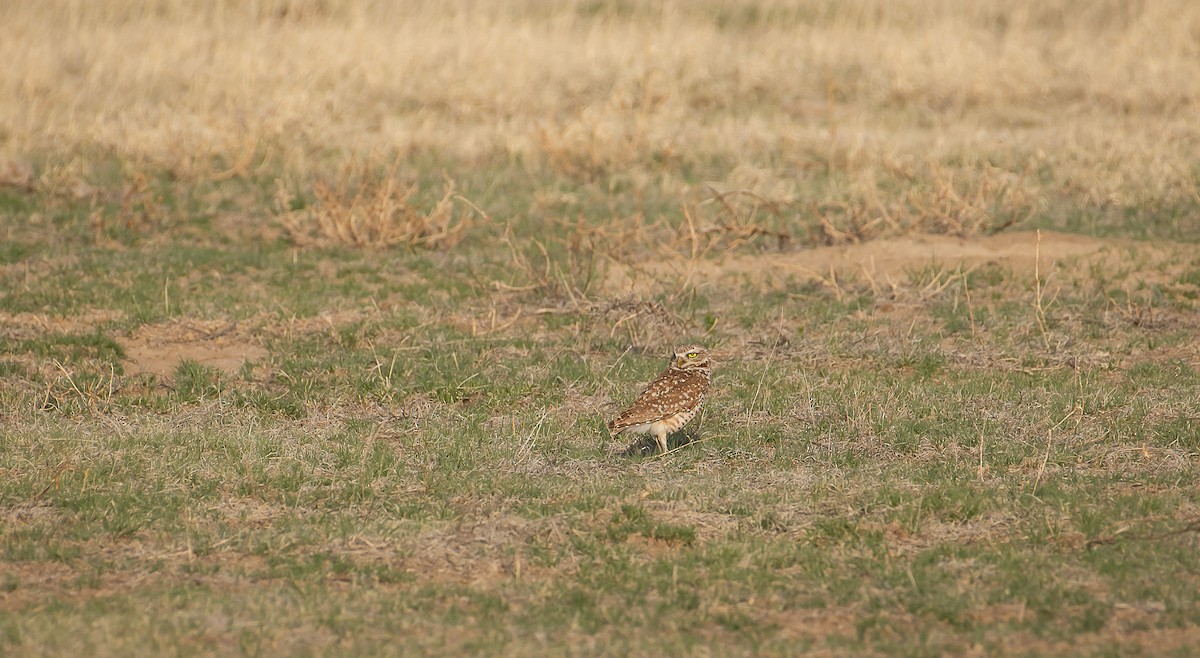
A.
pixel 819 623
pixel 160 348
pixel 34 580
pixel 481 552
pixel 885 260
pixel 1127 634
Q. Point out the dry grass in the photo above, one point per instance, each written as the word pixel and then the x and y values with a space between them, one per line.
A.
pixel 361 210
pixel 863 468
pixel 993 104
pixel 982 441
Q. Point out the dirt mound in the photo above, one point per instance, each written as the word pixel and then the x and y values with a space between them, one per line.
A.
pixel 897 257
pixel 159 348
pixel 894 259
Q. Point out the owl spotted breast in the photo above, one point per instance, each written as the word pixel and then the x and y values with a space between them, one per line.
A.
pixel 671 400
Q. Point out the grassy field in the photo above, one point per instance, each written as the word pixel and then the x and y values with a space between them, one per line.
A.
pixel 311 315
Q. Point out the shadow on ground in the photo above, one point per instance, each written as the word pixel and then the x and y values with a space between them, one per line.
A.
pixel 646 447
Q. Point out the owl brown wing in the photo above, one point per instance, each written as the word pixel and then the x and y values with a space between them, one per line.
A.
pixel 673 391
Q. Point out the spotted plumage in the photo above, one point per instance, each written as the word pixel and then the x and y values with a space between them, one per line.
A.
pixel 671 400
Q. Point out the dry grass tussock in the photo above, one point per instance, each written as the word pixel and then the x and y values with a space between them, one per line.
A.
pixel 1096 94
pixel 371 212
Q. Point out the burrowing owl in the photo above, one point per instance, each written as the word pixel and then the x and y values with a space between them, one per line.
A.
pixel 671 400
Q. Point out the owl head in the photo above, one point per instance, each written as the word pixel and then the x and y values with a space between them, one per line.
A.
pixel 691 357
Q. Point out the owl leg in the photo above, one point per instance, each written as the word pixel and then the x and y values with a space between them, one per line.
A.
pixel 661 439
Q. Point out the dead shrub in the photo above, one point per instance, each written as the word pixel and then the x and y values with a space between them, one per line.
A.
pixel 560 268
pixel 738 216
pixel 930 198
pixel 372 212
pixel 970 201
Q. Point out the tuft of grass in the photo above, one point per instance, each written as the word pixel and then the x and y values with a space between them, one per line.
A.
pixel 361 210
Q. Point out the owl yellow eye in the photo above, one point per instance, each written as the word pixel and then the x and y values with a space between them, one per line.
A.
pixel 692 355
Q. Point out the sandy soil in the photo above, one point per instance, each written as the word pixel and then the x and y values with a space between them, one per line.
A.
pixel 889 260
pixel 159 348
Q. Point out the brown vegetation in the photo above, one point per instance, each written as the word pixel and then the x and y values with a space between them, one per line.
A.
pixel 943 116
